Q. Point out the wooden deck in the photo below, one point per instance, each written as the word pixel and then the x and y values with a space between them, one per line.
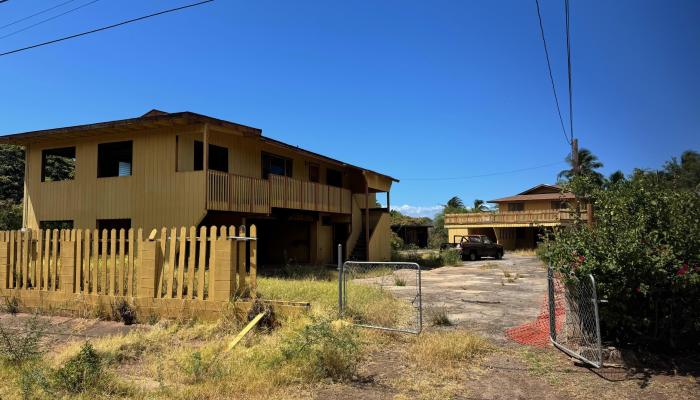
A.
pixel 232 192
pixel 514 218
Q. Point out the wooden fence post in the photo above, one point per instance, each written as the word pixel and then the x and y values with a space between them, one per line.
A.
pixel 225 273
pixel 253 261
pixel 67 274
pixel 151 258
pixel 4 263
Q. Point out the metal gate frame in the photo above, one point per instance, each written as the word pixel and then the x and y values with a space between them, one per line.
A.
pixel 342 293
pixel 551 296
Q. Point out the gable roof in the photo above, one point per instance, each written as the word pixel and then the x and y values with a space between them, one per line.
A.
pixel 541 189
pixel 540 192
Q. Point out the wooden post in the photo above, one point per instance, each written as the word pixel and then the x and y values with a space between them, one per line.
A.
pixel 388 202
pixel 205 163
pixel 366 219
pixel 4 263
pixel 253 261
pixel 241 259
pixel 589 213
pixel 67 275
pixel 151 258
pixel 224 275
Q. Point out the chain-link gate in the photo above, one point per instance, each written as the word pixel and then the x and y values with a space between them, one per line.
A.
pixel 574 325
pixel 394 289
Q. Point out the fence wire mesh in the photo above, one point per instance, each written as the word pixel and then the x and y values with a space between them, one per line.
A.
pixel 574 325
pixel 394 289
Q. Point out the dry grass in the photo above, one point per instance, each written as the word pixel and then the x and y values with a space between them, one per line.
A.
pixel 444 349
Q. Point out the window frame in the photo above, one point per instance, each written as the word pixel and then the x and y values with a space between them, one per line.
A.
pixel 101 173
pixel 43 162
pixel 318 172
pixel 329 173
pixel 288 165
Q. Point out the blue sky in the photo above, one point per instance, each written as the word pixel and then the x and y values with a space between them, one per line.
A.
pixel 437 89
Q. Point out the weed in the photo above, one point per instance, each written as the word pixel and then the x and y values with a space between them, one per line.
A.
pixel 398 281
pixel 327 350
pixel 11 305
pixel 506 274
pixel 440 349
pixel 16 348
pixel 100 312
pixel 127 313
pixel 438 317
pixel 268 321
pixel 31 377
pixel 81 372
pixel 153 319
pixel 194 367
pixel 489 265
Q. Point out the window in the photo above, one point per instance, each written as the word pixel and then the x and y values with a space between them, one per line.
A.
pixel 218 157
pixel 486 240
pixel 516 206
pixel 559 205
pixel 276 165
pixel 334 178
pixel 58 164
pixel 114 159
pixel 62 224
pixel 314 173
pixel 109 224
pixel 474 239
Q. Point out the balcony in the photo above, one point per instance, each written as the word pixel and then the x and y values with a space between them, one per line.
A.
pixel 514 218
pixel 232 192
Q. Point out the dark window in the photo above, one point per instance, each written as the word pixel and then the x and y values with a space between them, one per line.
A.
pixel 58 164
pixel 516 206
pixel 314 173
pixel 63 224
pixel 218 157
pixel 109 224
pixel 276 165
pixel 114 159
pixel 334 178
pixel 557 205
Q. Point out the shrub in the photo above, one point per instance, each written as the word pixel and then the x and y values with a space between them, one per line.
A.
pixel 327 350
pixel 398 281
pixel 11 305
pixel 268 321
pixel 439 317
pixel 126 313
pixel 16 348
pixel 644 252
pixel 451 256
pixel 81 372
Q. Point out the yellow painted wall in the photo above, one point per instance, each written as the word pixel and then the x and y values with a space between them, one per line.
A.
pixel 154 195
pixel 380 242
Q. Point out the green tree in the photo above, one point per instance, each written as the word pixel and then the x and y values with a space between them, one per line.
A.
pixel 455 203
pixel 11 173
pixel 588 164
pixel 685 174
pixel 479 206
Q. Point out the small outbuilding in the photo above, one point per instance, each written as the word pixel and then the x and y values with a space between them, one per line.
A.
pixel 416 234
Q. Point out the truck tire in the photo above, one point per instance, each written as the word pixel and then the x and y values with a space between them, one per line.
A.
pixel 473 256
pixel 499 255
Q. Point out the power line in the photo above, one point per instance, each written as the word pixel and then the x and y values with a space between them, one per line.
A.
pixel 568 62
pixel 48 19
pixel 104 28
pixel 549 69
pixel 484 175
pixel 35 14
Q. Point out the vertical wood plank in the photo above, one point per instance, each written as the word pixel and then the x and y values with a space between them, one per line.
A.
pixel 241 261
pixel 40 260
pixel 95 259
pixel 121 267
pixel 171 263
pixel 112 261
pixel 103 263
pixel 13 259
pixel 181 262
pixel 253 261
pixel 161 268
pixel 202 262
pixel 191 262
pixel 78 260
pixel 130 262
pixel 47 259
pixel 86 262
pixel 54 260
pixel 25 258
pixel 212 263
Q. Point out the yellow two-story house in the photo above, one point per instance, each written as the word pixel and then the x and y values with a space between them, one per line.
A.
pixel 519 219
pixel 186 169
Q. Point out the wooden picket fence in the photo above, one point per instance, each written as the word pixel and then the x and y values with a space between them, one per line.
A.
pixel 205 264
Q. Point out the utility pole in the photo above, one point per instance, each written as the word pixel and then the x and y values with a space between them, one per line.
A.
pixel 577 171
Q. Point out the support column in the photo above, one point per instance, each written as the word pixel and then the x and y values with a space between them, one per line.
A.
pixel 224 279
pixel 366 218
pixel 205 163
pixel 151 258
pixel 4 262
pixel 67 275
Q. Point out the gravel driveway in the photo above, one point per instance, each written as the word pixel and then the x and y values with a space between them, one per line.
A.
pixel 486 295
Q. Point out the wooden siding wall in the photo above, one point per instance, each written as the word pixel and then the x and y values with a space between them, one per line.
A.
pixel 154 195
pixel 380 241
pixel 530 205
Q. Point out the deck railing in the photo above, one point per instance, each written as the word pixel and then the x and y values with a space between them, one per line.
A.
pixel 232 192
pixel 513 217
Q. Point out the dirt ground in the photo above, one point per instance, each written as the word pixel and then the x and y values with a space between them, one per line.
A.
pixel 486 297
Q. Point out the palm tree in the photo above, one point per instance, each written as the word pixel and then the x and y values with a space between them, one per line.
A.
pixel 455 202
pixel 479 206
pixel 588 164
